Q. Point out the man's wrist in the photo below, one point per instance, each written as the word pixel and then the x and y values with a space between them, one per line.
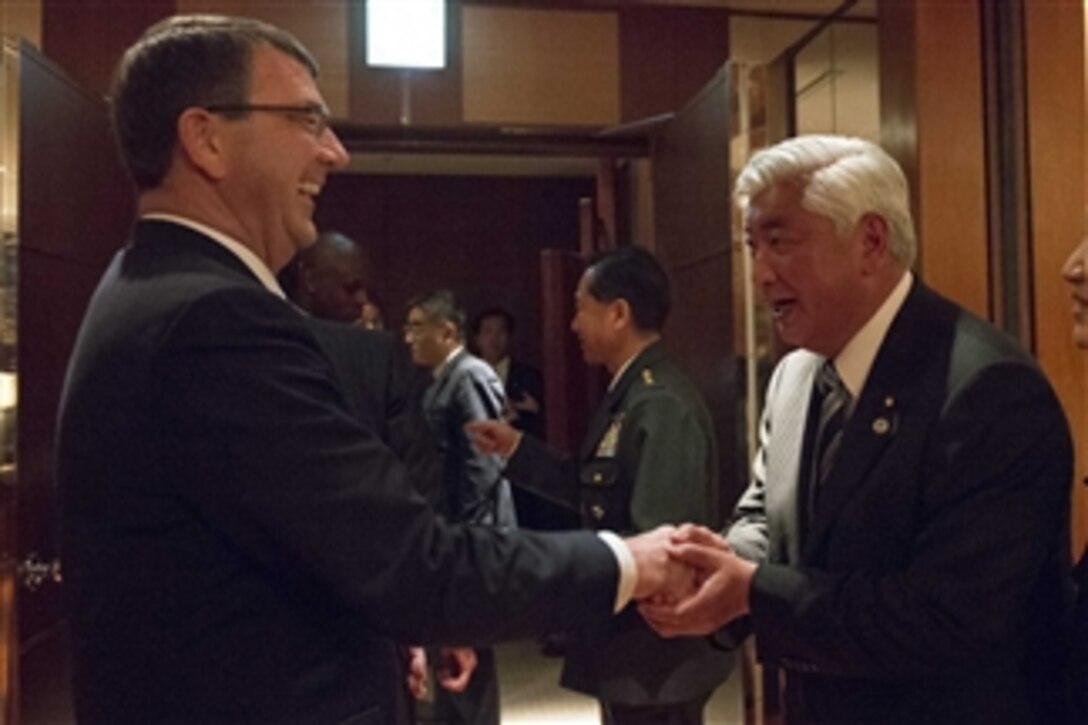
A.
pixel 628 570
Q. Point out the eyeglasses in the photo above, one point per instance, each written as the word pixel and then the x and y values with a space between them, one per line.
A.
pixel 414 328
pixel 313 116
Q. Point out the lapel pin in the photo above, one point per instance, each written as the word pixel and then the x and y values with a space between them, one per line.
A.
pixel 881 426
pixel 889 401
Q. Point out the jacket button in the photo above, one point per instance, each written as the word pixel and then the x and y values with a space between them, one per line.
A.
pixel 597 510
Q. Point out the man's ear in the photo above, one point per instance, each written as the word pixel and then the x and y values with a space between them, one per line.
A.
pixel 200 141
pixel 621 313
pixel 875 241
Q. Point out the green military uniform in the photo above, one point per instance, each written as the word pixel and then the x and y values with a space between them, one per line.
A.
pixel 648 459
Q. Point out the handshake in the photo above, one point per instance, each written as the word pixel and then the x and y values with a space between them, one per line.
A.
pixel 689 581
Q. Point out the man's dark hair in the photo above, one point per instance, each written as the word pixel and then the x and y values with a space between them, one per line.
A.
pixel 181 62
pixel 634 275
pixel 500 312
pixel 441 306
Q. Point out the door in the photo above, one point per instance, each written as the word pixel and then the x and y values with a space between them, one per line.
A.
pixel 66 207
pixel 693 239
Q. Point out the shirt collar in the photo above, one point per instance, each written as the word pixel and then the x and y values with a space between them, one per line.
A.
pixel 855 360
pixel 623 369
pixel 244 254
pixel 453 353
pixel 502 369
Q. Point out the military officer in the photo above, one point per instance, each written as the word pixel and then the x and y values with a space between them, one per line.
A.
pixel 648 458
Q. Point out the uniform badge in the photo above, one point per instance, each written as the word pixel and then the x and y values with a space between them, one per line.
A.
pixel 611 439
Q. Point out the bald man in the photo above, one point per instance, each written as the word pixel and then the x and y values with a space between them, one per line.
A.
pixel 329 279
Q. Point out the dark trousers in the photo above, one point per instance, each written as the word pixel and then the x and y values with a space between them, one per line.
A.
pixel 681 713
pixel 477 705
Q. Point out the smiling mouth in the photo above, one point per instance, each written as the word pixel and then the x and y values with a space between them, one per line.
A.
pixel 310 188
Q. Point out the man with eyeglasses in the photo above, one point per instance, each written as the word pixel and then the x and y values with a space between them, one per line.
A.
pixel 463 389
pixel 238 547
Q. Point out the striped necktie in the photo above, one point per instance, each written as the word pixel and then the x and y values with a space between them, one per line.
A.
pixel 834 409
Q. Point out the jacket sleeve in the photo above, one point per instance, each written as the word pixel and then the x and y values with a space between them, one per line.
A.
pixel 476 398
pixel 266 455
pixel 546 472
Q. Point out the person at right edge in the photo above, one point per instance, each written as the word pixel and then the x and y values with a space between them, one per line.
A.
pixel 648 458
pixel 902 552
pixel 1075 272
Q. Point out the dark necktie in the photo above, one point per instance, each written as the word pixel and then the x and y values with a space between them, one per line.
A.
pixel 834 409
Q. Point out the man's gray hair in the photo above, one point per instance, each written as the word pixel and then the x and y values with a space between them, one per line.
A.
pixel 841 178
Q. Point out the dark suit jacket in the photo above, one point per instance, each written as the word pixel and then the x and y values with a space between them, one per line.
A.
pixel 648 459
pixel 237 546
pixel 473 488
pixel 383 390
pixel 523 379
pixel 931 583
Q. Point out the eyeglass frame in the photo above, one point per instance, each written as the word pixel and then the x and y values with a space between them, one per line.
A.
pixel 313 116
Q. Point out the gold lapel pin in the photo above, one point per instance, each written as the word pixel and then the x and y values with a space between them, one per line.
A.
pixel 881 426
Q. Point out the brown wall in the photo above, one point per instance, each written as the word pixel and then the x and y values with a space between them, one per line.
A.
pixel 481 236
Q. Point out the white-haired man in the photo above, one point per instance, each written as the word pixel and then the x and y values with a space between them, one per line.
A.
pixel 902 550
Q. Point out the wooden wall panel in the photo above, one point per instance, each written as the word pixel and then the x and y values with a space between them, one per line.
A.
pixel 1054 32
pixel 667 55
pixel 936 132
pixel 87 37
pixel 321 25
pixel 22 18
pixel 481 236
pixel 540 66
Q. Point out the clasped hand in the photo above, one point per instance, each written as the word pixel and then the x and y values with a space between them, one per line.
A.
pixel 690 582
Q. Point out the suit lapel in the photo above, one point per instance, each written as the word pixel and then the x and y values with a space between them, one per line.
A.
pixel 435 393
pixel 786 450
pixel 894 384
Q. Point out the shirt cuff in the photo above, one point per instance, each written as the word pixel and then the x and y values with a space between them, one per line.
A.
pixel 628 579
pixel 514 448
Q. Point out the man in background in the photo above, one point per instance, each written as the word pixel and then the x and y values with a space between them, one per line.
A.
pixel 237 546
pixel 649 457
pixel 473 491
pixel 492 332
pixel 330 278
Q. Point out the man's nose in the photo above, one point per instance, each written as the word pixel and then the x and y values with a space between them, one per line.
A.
pixel 333 152
pixel 1073 269
pixel 763 272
